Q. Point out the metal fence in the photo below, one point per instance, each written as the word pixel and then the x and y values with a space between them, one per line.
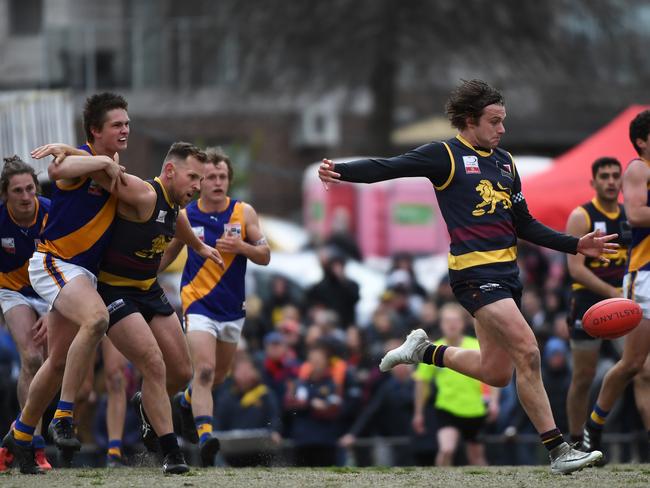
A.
pixel 29 119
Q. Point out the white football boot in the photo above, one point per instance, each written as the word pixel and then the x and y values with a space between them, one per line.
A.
pixel 410 352
pixel 566 460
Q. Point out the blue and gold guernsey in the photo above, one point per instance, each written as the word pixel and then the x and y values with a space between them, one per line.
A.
pixel 640 246
pixel 476 201
pixel 80 222
pixel 133 255
pixel 18 245
pixel 206 289
pixel 608 223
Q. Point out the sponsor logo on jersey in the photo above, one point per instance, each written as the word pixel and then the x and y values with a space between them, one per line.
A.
pixel 232 230
pixel 601 226
pixel 199 232
pixel 161 216
pixel 8 245
pixel 95 189
pixel 471 165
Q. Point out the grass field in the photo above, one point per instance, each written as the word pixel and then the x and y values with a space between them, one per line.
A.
pixel 466 477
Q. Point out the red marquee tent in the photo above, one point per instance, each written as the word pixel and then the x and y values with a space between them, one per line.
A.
pixel 554 193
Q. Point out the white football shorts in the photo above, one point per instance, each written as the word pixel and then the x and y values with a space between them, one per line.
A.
pixel 229 331
pixel 49 275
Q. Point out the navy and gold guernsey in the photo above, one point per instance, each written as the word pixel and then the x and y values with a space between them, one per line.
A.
pixel 480 198
pixel 128 273
pixel 612 273
pixel 80 221
pixel 135 249
pixel 476 202
pixel 18 243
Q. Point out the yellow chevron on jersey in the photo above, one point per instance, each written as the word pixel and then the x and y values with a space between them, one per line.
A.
pixel 84 237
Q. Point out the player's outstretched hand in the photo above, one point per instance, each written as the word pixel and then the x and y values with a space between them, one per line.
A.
pixel 212 254
pixel 56 149
pixel 595 245
pixel 327 174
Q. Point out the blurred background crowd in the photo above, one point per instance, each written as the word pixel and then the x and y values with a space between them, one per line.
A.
pixel 279 88
pixel 306 385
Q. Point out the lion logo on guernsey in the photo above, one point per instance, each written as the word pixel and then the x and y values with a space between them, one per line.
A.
pixel 491 197
pixel 158 246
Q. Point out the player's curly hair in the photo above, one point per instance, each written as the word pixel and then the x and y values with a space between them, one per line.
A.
pixel 640 128
pixel 216 155
pixel 13 166
pixel 96 108
pixel 468 100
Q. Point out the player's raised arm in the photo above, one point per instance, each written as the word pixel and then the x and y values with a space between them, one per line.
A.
pixel 76 166
pixel 430 161
pixel 635 194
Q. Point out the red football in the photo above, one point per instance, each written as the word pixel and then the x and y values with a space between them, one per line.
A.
pixel 612 318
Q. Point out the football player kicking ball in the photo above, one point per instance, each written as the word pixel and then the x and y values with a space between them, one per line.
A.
pixel 213 297
pixel 479 192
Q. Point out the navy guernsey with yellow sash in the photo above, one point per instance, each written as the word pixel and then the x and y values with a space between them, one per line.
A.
pixel 480 198
pixel 607 223
pixel 206 289
pixel 135 250
pixel 17 246
pixel 476 202
pixel 640 246
pixel 80 221
pixel 612 273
